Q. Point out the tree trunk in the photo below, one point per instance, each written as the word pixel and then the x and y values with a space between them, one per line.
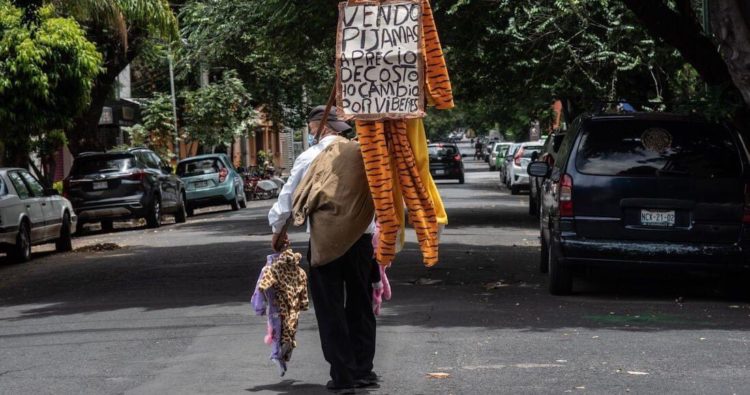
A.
pixel 82 135
pixel 684 32
pixel 730 24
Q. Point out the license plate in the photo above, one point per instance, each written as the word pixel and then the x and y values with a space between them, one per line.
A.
pixel 201 184
pixel 100 185
pixel 439 172
pixel 657 218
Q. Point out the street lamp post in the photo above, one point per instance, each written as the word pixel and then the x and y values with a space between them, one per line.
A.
pixel 174 108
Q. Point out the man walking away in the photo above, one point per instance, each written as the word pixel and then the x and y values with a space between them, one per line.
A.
pixel 330 191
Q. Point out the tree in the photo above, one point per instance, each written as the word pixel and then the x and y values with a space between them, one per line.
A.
pixel 121 29
pixel 47 70
pixel 678 23
pixel 216 113
pixel 157 130
pixel 282 50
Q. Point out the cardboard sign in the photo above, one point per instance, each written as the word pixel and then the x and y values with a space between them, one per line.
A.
pixel 379 62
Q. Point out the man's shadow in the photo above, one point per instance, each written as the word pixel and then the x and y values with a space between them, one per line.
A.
pixel 298 387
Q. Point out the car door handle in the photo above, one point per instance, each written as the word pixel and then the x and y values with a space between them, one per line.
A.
pixel 44 204
pixel 28 206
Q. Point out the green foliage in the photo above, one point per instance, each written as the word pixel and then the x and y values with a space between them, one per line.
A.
pixel 214 114
pixel 157 130
pixel 47 70
pixel 282 50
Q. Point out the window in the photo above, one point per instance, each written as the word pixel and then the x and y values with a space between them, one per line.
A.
pixel 530 149
pixel 36 188
pixel 154 161
pixel 18 185
pixel 114 163
pixel 442 150
pixel 652 149
pixel 197 167
pixel 3 189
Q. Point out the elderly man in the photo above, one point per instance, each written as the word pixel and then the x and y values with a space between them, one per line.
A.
pixel 335 201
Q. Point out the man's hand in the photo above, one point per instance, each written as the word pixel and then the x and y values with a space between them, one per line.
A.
pixel 280 241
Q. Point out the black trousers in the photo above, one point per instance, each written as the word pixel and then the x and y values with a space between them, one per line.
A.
pixel 342 295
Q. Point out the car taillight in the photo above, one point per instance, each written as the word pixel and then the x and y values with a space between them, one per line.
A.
pixel 223 175
pixel 746 211
pixel 457 158
pixel 138 175
pixel 565 196
pixel 517 158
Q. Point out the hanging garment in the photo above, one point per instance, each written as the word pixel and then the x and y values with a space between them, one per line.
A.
pixel 392 166
pixel 281 293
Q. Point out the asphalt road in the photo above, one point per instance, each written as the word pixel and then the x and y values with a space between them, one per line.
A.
pixel 167 312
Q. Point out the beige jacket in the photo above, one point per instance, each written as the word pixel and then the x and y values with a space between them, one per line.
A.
pixel 335 197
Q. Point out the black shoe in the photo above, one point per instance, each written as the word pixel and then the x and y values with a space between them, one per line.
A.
pixel 371 376
pixel 340 388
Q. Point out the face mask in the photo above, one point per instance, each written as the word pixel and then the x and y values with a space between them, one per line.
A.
pixel 310 139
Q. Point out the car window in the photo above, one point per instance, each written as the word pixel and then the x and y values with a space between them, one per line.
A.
pixel 152 161
pixel 441 150
pixel 530 149
pixel 3 189
pixel 648 148
pixel 197 167
pixel 35 187
pixel 113 163
pixel 18 185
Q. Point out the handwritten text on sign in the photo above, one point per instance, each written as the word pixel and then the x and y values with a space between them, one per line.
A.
pixel 380 61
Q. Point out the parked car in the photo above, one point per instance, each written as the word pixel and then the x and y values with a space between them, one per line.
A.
pixel 134 183
pixel 516 169
pixel 645 189
pixel 32 215
pixel 211 180
pixel 498 150
pixel 504 164
pixel 446 162
pixel 549 155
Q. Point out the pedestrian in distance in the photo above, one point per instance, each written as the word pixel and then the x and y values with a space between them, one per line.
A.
pixel 328 189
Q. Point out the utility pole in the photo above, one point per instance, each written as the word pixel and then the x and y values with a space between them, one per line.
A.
pixel 174 109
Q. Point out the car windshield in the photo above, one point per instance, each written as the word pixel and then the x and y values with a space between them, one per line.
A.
pixel 529 150
pixel 198 167
pixel 647 148
pixel 501 148
pixel 102 164
pixel 441 150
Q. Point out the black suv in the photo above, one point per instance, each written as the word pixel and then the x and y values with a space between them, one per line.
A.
pixel 136 183
pixel 645 189
pixel 446 162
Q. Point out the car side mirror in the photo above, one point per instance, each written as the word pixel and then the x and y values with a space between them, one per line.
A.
pixel 538 169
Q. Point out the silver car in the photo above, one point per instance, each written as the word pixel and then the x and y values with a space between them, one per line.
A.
pixel 31 215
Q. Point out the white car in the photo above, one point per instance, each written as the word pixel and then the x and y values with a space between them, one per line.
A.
pixel 31 215
pixel 517 176
pixel 498 149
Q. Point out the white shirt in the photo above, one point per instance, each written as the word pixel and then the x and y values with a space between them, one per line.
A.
pixel 282 209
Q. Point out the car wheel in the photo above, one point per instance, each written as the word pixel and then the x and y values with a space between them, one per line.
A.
pixel 21 251
pixel 65 242
pixel 180 215
pixel 492 168
pixel 189 210
pixel 461 179
pixel 243 199
pixel 107 225
pixel 514 189
pixel 235 202
pixel 544 256
pixel 153 217
pixel 560 277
